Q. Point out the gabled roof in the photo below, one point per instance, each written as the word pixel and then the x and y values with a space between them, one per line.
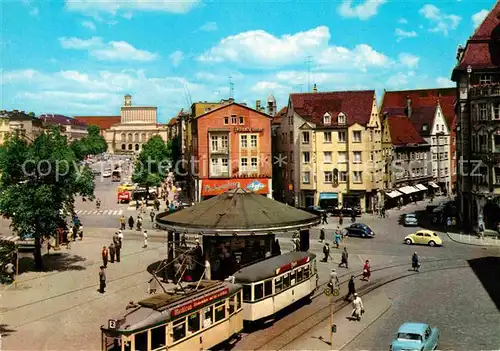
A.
pixel 356 105
pixel 402 131
pixel 281 113
pixel 421 98
pixel 232 104
pixel 61 120
pixel 483 48
pixel 103 122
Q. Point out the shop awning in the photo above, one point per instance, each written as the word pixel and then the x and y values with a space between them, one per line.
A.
pixel 421 187
pixel 434 185
pixel 393 194
pixel 328 196
pixel 408 190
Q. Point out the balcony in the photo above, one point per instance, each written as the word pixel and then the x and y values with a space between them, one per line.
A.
pixel 219 151
pixel 491 90
pixel 219 173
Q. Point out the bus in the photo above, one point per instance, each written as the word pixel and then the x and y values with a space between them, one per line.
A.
pixel 275 283
pixel 116 176
pixel 196 318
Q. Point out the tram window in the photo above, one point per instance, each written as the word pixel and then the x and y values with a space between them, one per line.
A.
pixel 299 274
pixel 158 337
pixel 209 317
pixel 232 303
pixel 112 344
pixel 268 287
pixel 306 272
pixel 194 322
pixel 141 341
pixel 179 329
pixel 258 291
pixel 292 278
pixel 220 311
pixel 278 284
pixel 247 293
pixel 286 281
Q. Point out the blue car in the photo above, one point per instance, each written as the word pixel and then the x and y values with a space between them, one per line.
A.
pixel 415 337
pixel 359 229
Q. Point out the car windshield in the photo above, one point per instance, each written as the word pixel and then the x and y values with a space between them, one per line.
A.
pixel 409 336
pixel 411 215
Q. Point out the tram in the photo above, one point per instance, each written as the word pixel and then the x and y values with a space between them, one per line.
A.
pixel 276 283
pixel 193 319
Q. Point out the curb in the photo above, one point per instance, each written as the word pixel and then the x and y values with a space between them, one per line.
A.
pixel 465 243
pixel 377 317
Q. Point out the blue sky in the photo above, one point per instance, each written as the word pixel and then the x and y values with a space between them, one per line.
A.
pixel 80 57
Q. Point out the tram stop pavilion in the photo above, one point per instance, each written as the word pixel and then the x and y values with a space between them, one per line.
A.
pixel 238 227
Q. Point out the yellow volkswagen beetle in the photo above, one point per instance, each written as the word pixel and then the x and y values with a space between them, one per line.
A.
pixel 126 187
pixel 424 237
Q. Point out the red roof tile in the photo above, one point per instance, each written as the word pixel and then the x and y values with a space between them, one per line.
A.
pixel 172 122
pixel 103 122
pixel 356 105
pixel 403 131
pixel 281 113
pixel 483 48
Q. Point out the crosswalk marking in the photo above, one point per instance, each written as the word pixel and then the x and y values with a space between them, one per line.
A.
pixel 113 212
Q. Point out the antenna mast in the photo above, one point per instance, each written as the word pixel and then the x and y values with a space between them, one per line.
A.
pixel 231 88
pixel 308 63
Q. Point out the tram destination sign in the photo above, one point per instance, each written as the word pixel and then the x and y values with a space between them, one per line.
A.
pixel 199 302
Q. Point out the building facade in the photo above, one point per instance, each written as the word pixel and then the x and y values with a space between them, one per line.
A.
pixel 432 113
pixel 103 122
pixel 231 148
pixel 19 122
pixel 477 75
pixel 72 128
pixel 137 125
pixel 408 162
pixel 331 147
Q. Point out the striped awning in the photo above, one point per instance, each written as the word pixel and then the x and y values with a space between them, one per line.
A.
pixel 12 238
pixel 408 190
pixel 434 185
pixel 393 194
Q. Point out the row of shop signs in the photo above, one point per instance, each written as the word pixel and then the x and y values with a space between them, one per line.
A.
pixel 407 190
pixel 213 187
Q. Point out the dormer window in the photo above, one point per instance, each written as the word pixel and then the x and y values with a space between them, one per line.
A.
pixel 341 118
pixel 327 119
pixel 425 128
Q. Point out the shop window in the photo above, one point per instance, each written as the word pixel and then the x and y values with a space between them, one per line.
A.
pixel 179 330
pixel 247 293
pixel 208 317
pixel 286 281
pixel 268 287
pixel 258 291
pixel 293 278
pixel 158 338
pixel 141 341
pixel 232 304
pixel 194 322
pixel 278 284
pixel 220 311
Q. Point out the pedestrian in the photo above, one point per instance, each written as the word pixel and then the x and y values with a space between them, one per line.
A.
pixel 80 232
pixel 351 288
pixel 104 254
pixel 118 248
pixel 183 240
pixel 122 222
pixel 322 234
pixel 344 258
pixel 353 216
pixel 152 215
pixel 415 199
pixel 358 308
pixel 341 219
pixel 131 222
pixel 75 230
pixel 324 218
pixel 366 271
pixel 448 222
pixel 139 222
pixel 326 252
pixel 120 238
pixel 115 239
pixel 415 264
pixel 334 280
pixel 137 204
pixel 145 235
pixel 98 203
pixel 10 270
pixel 102 279
pixel 68 239
pixel 337 237
pixel 112 253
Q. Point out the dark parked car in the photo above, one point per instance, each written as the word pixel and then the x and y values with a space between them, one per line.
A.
pixel 345 211
pixel 359 229
pixel 316 210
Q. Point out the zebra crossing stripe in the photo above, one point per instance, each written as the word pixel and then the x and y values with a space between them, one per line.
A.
pixel 113 212
pixel 105 212
pixel 120 212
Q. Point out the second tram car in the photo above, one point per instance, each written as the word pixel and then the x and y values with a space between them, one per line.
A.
pixel 275 283
pixel 196 319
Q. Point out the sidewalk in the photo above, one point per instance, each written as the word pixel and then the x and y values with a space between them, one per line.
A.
pixel 472 239
pixel 375 303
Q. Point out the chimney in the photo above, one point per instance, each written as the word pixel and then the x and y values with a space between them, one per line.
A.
pixel 408 106
pixel 315 88
pixel 257 105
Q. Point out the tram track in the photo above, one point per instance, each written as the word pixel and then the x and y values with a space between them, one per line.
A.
pixel 287 330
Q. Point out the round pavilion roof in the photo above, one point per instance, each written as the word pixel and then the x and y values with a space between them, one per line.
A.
pixel 237 211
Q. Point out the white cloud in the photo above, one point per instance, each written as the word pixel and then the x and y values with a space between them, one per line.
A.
pixel 443 82
pixel 176 57
pixel 440 21
pixel 246 49
pixel 89 25
pixel 400 79
pixel 112 51
pixel 402 34
pixel 403 21
pixel 363 11
pixel 479 17
pixel 409 60
pixel 113 7
pixel 209 27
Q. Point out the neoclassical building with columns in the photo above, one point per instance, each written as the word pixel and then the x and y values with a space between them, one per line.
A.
pixel 137 125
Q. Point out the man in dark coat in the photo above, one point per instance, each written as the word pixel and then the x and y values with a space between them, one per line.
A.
pixel 102 280
pixel 112 252
pixel 118 246
pixel 131 222
pixel 343 259
pixel 351 288
pixel 326 252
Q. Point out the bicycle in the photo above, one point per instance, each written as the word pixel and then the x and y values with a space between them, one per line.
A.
pixel 328 291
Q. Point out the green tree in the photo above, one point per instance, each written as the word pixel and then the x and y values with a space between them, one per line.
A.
pixel 151 166
pixel 92 144
pixel 31 114
pixel 39 181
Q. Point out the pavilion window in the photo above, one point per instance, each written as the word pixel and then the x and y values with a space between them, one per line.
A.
pixel 179 330
pixel 220 311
